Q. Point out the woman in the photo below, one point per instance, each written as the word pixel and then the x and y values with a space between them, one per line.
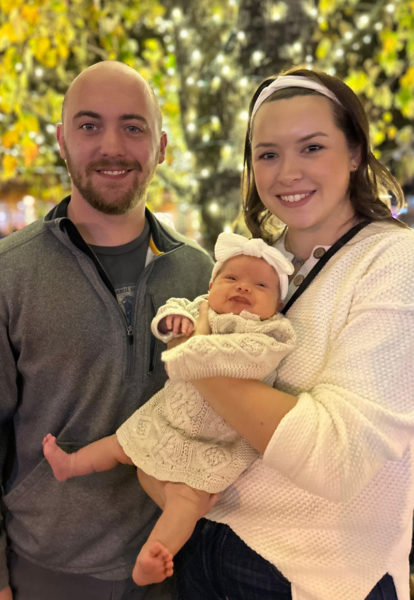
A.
pixel 325 513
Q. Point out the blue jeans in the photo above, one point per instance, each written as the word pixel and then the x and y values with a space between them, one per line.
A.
pixel 216 564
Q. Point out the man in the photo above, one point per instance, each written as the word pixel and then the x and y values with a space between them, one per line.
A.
pixel 78 291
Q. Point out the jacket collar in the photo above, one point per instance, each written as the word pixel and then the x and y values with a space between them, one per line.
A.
pixel 162 239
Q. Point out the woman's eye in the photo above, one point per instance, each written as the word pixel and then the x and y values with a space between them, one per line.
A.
pixel 267 156
pixel 313 148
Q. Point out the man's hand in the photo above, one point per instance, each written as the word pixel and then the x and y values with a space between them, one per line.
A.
pixel 6 594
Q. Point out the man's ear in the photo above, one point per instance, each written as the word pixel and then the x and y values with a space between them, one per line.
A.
pixel 163 145
pixel 60 139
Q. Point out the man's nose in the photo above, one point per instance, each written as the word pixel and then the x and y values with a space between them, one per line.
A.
pixel 112 142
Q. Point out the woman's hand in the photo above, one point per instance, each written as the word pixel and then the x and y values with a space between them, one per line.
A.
pixel 202 326
pixel 6 594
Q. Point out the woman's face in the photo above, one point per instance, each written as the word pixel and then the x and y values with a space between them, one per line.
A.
pixel 302 163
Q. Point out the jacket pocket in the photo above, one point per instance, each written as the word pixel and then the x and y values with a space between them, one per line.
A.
pixel 87 524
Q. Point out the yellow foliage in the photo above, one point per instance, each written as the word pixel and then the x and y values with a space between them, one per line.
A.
pixel 9 164
pixel 357 80
pixel 326 7
pixel 28 122
pixel 389 42
pixel 10 138
pixel 323 48
pixel 9 35
pixel 6 6
pixel 50 59
pixel 391 132
pixel 30 13
pixel 407 80
pixel 378 138
pixel 30 152
pixel 40 46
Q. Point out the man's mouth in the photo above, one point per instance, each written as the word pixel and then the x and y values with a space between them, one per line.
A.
pixel 113 173
pixel 113 169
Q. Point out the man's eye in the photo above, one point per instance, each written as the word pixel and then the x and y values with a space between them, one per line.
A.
pixel 134 129
pixel 88 126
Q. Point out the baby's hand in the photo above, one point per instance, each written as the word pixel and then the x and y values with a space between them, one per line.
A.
pixel 202 326
pixel 177 325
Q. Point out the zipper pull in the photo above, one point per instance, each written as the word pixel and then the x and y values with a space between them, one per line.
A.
pixel 130 335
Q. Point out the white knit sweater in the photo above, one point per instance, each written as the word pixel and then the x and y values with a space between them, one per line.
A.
pixel 331 502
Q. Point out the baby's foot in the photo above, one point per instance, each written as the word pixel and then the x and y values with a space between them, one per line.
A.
pixel 154 564
pixel 57 458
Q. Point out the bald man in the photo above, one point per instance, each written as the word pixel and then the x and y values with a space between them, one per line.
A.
pixel 78 290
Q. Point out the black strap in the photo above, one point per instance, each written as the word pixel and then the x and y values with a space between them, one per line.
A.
pixel 322 262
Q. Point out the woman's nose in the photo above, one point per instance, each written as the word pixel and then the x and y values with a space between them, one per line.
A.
pixel 289 170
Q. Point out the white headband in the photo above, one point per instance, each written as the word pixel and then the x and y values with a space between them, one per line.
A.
pixel 229 245
pixel 289 81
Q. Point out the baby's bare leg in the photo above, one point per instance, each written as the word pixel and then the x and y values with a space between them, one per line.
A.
pixel 182 507
pixel 102 455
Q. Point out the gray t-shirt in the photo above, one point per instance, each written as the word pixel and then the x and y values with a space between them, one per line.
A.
pixel 123 265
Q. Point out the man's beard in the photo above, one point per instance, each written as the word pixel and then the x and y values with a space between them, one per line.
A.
pixel 118 204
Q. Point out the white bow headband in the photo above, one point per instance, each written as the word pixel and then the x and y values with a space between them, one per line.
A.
pixel 289 81
pixel 229 245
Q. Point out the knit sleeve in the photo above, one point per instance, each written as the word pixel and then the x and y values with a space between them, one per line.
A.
pixel 175 306
pixel 359 413
pixel 247 355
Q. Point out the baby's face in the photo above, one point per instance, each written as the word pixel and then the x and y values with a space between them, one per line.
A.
pixel 246 283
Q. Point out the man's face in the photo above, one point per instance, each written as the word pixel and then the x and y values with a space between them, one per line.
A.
pixel 111 138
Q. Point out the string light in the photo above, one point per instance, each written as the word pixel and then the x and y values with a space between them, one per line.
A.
pixel 362 21
pixel 177 14
pixel 216 82
pixel 257 57
pixel 214 208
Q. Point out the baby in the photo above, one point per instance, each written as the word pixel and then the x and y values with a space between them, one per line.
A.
pixel 185 453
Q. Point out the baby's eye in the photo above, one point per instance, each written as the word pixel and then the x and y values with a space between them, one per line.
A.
pixel 231 277
pixel 262 285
